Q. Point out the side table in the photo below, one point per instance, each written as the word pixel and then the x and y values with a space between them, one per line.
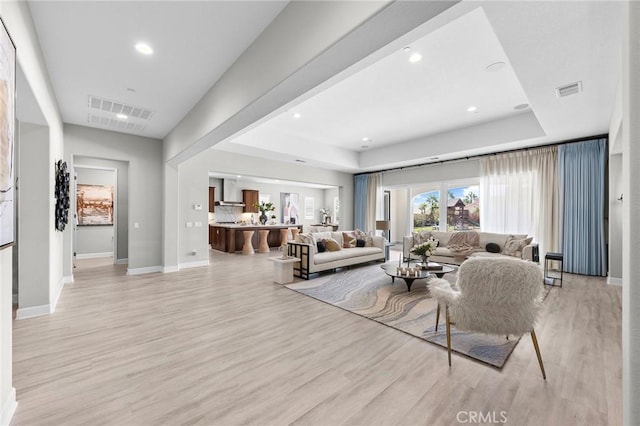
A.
pixel 558 257
pixel 387 245
pixel 283 269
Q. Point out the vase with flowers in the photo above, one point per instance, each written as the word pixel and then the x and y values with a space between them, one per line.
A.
pixel 425 249
pixel 264 208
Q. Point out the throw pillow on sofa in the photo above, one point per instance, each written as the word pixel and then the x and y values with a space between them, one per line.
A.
pixel 513 246
pixel 331 244
pixel 421 237
pixel 348 240
pixel 321 247
pixel 492 248
pixel 304 239
pixel 368 241
pixel 360 243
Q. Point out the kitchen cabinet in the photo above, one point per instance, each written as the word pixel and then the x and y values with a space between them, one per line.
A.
pixel 230 238
pixel 212 199
pixel 218 238
pixel 249 198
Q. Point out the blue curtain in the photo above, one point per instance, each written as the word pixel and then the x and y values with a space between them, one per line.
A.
pixel 581 177
pixel 360 202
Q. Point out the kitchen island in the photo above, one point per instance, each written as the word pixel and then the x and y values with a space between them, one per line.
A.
pixel 230 237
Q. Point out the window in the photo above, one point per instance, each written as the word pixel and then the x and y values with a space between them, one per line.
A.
pixel 426 211
pixel 336 210
pixel 463 208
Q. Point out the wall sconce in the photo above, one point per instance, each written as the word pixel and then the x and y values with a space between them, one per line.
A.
pixel 619 198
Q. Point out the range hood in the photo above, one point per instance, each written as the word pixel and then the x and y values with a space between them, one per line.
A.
pixel 228 194
pixel 229 203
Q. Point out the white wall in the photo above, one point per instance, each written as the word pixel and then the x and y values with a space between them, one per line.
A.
pixel 17 18
pixel 433 173
pixel 329 195
pixel 193 189
pixel 7 392
pixel 615 189
pixel 631 225
pixel 34 295
pixel 615 219
pixel 144 156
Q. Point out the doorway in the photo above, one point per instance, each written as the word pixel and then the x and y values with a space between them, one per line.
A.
pixel 100 211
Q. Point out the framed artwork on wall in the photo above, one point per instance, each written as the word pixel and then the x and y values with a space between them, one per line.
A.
pixel 7 127
pixel 289 203
pixel 94 205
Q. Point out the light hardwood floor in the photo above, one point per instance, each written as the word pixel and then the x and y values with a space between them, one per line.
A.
pixel 223 345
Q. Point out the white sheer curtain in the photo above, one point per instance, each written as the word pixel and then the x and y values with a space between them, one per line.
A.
pixel 374 200
pixel 519 195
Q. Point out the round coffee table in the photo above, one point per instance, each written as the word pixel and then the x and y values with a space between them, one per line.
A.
pixel 391 269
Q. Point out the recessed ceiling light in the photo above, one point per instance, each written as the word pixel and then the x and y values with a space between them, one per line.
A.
pixel 364 146
pixel 521 106
pixel 144 48
pixel 121 116
pixel 496 66
pixel 415 57
pixel 129 89
pixel 239 176
pixel 365 139
pixel 296 115
pixel 300 161
pixel 472 108
pixel 406 48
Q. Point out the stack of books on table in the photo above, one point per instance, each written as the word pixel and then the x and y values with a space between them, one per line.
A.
pixel 433 266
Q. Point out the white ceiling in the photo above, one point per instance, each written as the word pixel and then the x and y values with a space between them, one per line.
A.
pixel 89 50
pixel 412 112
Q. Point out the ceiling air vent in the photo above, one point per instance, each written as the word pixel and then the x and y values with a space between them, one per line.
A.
pixel 103 113
pixel 569 89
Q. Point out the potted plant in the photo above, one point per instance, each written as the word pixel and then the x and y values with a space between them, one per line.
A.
pixel 264 208
pixel 425 249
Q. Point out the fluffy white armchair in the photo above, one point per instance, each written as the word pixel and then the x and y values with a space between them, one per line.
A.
pixel 494 296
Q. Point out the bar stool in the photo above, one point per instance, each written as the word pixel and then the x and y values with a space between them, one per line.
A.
pixel 247 247
pixel 294 233
pixel 557 257
pixel 263 245
pixel 284 236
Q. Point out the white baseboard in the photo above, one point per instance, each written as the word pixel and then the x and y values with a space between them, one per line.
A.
pixel 94 255
pixel 9 406
pixel 145 270
pixel 122 261
pixel 67 279
pixel 614 281
pixel 33 311
pixel 195 264
pixel 56 294
pixel 167 269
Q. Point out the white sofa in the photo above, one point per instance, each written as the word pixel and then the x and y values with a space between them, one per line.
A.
pixel 312 261
pixel 444 254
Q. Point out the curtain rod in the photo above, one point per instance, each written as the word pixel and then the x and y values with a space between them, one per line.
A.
pixel 469 157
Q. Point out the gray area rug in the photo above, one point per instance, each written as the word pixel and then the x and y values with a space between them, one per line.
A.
pixel 369 292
